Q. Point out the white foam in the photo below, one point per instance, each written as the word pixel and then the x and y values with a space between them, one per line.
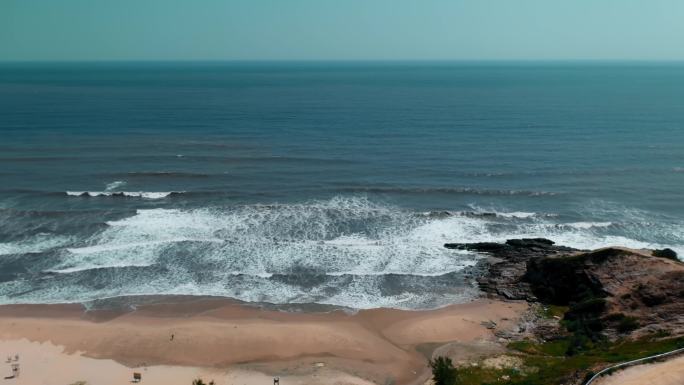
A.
pixel 133 245
pixel 260 275
pixel 383 273
pixel 80 268
pixel 136 241
pixel 516 214
pixel 36 244
pixel 587 225
pixel 256 253
pixel 264 240
pixel 114 185
pixel 505 214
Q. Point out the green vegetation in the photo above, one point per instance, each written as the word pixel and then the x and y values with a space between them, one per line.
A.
pixel 570 293
pixel 562 284
pixel 574 356
pixel 443 372
pixel 547 363
pixel 553 311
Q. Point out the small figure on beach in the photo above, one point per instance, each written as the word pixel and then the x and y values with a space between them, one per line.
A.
pixel 172 335
pixel 137 377
pixel 276 380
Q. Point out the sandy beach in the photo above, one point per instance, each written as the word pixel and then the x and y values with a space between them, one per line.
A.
pixel 173 342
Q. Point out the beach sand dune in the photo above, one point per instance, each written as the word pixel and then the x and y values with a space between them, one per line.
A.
pixel 233 343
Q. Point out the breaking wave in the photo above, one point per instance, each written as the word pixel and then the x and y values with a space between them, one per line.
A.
pixel 115 185
pixel 346 251
pixel 36 244
pixel 444 190
pixel 130 194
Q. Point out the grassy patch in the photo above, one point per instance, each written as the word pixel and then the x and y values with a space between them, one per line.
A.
pixel 553 311
pixel 551 348
pixel 485 376
pixel 546 364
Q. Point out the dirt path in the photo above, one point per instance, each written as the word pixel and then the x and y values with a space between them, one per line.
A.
pixel 670 372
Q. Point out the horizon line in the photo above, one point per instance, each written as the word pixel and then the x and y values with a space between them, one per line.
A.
pixel 302 61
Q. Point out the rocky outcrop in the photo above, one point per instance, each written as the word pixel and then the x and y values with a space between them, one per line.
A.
pixel 630 290
pixel 665 253
pixel 613 290
pixel 508 264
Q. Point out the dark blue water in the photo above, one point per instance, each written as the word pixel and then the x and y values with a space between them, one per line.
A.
pixel 331 183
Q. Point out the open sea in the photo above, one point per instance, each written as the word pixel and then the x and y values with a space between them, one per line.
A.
pixel 324 183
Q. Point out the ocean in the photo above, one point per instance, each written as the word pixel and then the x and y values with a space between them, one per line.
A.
pixel 328 183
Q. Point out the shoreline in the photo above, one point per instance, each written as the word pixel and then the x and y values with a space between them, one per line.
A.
pixel 209 334
pixel 527 287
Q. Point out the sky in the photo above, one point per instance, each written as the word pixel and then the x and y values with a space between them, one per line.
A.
pixel 84 30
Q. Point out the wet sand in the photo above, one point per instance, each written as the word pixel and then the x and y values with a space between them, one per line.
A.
pixel 233 343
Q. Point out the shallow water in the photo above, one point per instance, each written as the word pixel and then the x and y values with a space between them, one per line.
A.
pixel 330 183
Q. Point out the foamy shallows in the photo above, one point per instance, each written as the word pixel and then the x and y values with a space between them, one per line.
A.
pixel 346 251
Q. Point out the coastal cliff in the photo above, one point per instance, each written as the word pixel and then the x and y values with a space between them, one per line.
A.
pixel 627 291
pixel 589 309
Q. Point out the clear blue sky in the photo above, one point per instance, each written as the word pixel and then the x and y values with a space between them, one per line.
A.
pixel 341 29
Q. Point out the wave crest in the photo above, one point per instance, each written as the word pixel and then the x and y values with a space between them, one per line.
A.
pixel 444 190
pixel 347 251
pixel 129 194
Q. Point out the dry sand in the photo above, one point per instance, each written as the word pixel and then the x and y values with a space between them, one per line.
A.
pixel 670 372
pixel 232 343
pixel 47 364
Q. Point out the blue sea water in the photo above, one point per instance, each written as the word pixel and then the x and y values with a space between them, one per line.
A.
pixel 330 183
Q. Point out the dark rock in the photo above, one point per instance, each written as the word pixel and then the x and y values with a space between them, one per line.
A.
pixel 665 253
pixel 561 281
pixel 485 247
pixel 503 277
pixel 516 249
pixel 530 242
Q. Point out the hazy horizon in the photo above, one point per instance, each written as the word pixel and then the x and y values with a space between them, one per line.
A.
pixel 355 61
pixel 354 30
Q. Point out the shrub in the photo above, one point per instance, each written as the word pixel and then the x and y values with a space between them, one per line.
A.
pixel 627 324
pixel 443 371
pixel 585 315
pixel 591 306
pixel 583 322
pixel 199 381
